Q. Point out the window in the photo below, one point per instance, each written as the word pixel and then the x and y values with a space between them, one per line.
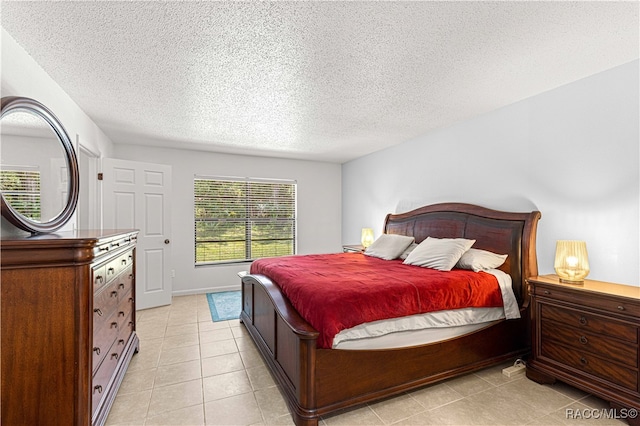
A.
pixel 243 219
pixel 20 186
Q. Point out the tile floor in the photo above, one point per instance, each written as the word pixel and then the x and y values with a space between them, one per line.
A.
pixel 192 371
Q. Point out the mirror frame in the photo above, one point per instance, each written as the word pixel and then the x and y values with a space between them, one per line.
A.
pixel 12 103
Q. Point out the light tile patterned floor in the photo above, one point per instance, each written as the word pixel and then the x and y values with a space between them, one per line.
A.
pixel 192 371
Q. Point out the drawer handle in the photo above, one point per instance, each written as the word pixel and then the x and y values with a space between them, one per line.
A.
pixel 98 311
pixel 96 350
pixel 583 321
pixel 130 276
pixel 114 325
pixel 121 342
pixel 121 285
pixel 124 261
pixel 584 340
pixel 130 324
pixel 114 355
pixel 584 361
pixel 110 271
pixel 127 240
pixel 97 388
pixel 620 308
pixel 105 248
pixel 120 314
pixel 99 279
pixel 547 292
pixel 131 299
pixel 114 293
pixel 115 244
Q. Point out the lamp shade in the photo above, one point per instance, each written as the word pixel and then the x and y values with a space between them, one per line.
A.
pixel 572 262
pixel 367 237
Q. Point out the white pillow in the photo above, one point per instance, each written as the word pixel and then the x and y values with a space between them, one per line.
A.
pixel 439 253
pixel 388 246
pixel 480 260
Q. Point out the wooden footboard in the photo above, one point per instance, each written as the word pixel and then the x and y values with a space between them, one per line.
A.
pixel 316 382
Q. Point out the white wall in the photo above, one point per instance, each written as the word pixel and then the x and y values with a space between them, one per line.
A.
pixel 572 153
pixel 21 75
pixel 319 206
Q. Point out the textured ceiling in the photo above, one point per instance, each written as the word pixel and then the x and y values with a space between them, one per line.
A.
pixel 327 81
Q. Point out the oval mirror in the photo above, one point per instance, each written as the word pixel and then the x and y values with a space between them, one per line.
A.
pixel 38 167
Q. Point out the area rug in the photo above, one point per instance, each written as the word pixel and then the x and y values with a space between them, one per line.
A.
pixel 225 305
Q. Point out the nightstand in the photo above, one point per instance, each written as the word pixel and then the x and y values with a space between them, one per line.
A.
pixel 588 335
pixel 353 248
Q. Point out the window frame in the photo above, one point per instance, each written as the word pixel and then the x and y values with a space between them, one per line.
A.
pixel 247 220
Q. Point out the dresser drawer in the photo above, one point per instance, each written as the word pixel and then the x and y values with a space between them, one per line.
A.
pixel 101 378
pixel 124 310
pixel 104 303
pixel 104 334
pixel 597 344
pixel 612 304
pixel 593 323
pixel 107 272
pixel 98 277
pixel 584 361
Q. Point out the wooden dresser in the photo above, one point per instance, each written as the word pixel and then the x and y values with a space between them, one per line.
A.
pixel 68 325
pixel 588 336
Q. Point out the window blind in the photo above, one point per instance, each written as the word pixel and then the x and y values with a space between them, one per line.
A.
pixel 20 187
pixel 239 219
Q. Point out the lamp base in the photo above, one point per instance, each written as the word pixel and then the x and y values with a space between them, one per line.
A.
pixel 574 282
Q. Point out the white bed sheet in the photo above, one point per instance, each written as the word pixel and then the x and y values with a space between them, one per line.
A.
pixel 430 327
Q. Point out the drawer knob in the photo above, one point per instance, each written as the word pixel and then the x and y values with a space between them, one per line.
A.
pixel 583 321
pixel 620 308
pixel 98 311
pixel 96 350
pixel 547 292
pixel 584 340
pixel 97 388
pixel 584 361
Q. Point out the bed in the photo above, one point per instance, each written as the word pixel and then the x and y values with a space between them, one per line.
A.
pixel 317 380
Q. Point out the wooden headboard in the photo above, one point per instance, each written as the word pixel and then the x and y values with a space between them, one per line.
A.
pixel 508 233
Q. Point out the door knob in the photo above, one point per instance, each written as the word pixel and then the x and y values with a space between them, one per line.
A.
pixel 167 241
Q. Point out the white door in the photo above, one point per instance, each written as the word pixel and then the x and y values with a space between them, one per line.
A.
pixel 137 195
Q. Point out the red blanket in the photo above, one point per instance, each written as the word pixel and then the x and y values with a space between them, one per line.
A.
pixel 333 292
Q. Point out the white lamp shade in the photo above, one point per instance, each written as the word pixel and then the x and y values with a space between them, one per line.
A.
pixel 367 237
pixel 572 261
